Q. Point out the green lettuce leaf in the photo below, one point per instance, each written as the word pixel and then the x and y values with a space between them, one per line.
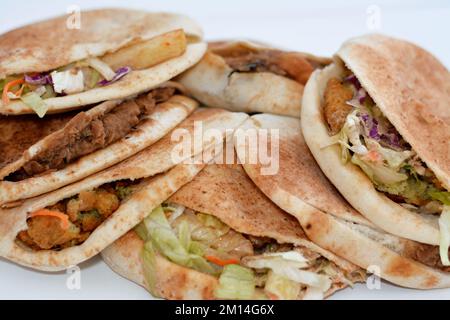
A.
pixel 379 174
pixel 35 102
pixel 236 282
pixel 281 287
pixel 165 241
pixel 149 266
pixel 441 196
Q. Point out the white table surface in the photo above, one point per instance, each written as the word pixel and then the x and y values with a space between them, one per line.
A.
pixel 314 26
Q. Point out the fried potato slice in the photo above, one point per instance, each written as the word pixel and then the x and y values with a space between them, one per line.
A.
pixel 145 54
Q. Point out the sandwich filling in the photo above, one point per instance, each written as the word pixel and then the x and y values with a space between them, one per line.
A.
pixel 84 134
pixel 247 267
pixel 94 72
pixel 292 65
pixel 70 222
pixel 371 142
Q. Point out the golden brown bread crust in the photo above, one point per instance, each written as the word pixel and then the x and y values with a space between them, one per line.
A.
pixel 412 89
pixel 156 124
pixel 170 281
pixel 216 84
pixel 50 44
pixel 314 189
pixel 332 235
pixel 226 192
pixel 166 175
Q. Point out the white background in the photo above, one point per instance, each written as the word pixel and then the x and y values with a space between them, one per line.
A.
pixel 316 26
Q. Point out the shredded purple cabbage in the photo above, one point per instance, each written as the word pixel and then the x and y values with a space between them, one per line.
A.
pixel 361 95
pixel 391 138
pixel 39 79
pixel 371 126
pixel 121 72
pixel 354 81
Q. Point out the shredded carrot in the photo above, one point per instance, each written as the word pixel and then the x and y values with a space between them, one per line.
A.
pixel 18 93
pixel 373 156
pixel 221 262
pixel 8 86
pixel 51 213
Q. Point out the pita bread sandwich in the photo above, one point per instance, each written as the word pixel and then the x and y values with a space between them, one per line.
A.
pixel 378 123
pixel 301 189
pixel 56 65
pixel 41 155
pixel 219 237
pixel 141 106
pixel 67 226
pixel 250 77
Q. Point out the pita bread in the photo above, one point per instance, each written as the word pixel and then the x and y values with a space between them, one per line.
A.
pixel 50 44
pixel 350 237
pixel 213 82
pixel 217 190
pixel 414 97
pixel 165 175
pixel 375 206
pixel 153 127
pixel 173 282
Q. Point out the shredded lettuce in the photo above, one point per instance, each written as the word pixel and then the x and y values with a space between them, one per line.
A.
pixel 289 268
pixel 236 282
pixel 281 287
pixel 350 133
pixel 141 231
pixel 184 234
pixel 149 266
pixel 353 130
pixel 288 255
pixel 379 173
pixel 197 247
pixel 49 92
pixel 92 77
pixel 199 231
pixel 394 159
pixel 442 196
pixel 211 221
pixel 444 242
pixel 165 240
pixel 35 102
pixel 102 68
pixel 308 278
pixel 275 261
pixel 175 210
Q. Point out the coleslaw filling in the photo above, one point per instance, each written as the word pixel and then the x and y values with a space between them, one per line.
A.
pixel 92 72
pixel 247 267
pixel 370 141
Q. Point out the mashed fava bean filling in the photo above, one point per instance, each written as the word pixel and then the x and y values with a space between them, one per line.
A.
pixel 70 221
